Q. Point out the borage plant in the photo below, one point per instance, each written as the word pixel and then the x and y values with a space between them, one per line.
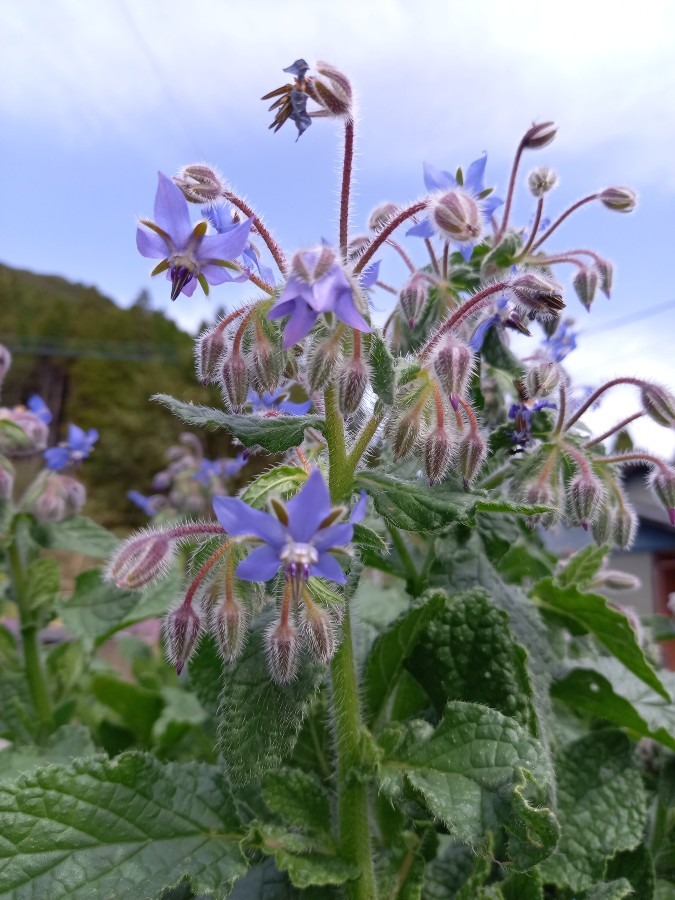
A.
pixel 412 699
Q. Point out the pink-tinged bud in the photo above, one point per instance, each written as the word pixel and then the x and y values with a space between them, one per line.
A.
pixel 413 298
pixel 358 246
pixel 437 454
pixel 319 633
pixel 266 363
pixel 624 526
pixel 5 362
pixel 659 404
pixel 606 273
pixel 619 199
pixel 585 284
pixel 471 455
pixel 456 215
pixel 74 494
pixel 352 383
pixel 614 580
pixel 324 359
pixel 662 482
pixel 234 378
pixel 543 494
pixel 602 525
pixel 228 623
pixel 542 180
pixel 539 295
pixel 382 215
pixel 406 434
pixel 182 629
pixel 283 648
pixel 542 379
pixel 586 496
pixel 142 558
pixel 302 260
pixel 209 348
pixel 50 506
pixel 539 136
pixel 6 480
pixel 331 89
pixel 453 364
pixel 21 432
pixel 200 183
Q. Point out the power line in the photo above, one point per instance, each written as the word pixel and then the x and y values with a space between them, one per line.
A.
pixel 631 317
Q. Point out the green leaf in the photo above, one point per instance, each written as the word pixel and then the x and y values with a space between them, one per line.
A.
pixel 17 716
pixel 611 890
pixel 9 658
pixel 390 651
pixel 96 609
pixel 604 688
pixel 382 371
pixel 523 886
pixel 43 580
pixel 300 799
pixel 477 771
pixel 466 652
pixel 65 666
pixel 284 481
pixel 637 867
pixel 471 889
pixel 611 628
pixel 582 566
pixel 496 353
pixel 137 706
pixel 274 433
pixel 369 541
pixel 76 534
pixel 306 862
pixel 181 711
pixel 601 807
pixel 259 720
pixel 147 825
pixel 67 743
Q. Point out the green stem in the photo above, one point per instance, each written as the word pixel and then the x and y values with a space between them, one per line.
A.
pixel 35 674
pixel 406 560
pixel 363 441
pixel 340 474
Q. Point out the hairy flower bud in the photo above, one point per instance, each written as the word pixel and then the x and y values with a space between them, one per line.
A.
pixel 5 362
pixel 413 298
pixel 542 493
pixel 182 629
pixel 624 526
pixel 209 348
pixel 541 181
pixel 542 379
pixel 539 136
pixel 453 364
pixel 319 633
pixel 659 404
pixel 323 361
pixel 283 646
pixel 456 215
pixel 142 558
pixel 614 580
pixel 331 89
pixel 619 199
pixel 234 377
pixel 382 215
pixel 358 246
pixel 266 364
pixel 606 273
pixel 21 432
pixel 74 493
pixel 352 383
pixel 586 496
pixel 662 482
pixel 228 623
pixel 200 183
pixel 6 479
pixel 437 454
pixel 539 295
pixel 406 434
pixel 471 454
pixel 602 525
pixel 585 284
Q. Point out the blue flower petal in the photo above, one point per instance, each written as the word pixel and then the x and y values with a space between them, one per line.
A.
pixel 151 245
pixel 438 180
pixel 237 518
pixel 329 568
pixel 466 249
pixel 423 229
pixel 308 509
pixel 57 458
pixel 171 211
pixel 490 204
pixel 474 181
pixel 334 536
pixel 228 245
pixel 260 565
pixel 370 275
pixel 294 409
pixel 299 324
pixel 348 313
pixel 359 510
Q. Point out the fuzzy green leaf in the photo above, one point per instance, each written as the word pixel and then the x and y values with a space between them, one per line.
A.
pixel 611 890
pixel 43 579
pixel 284 481
pixel 123 828
pixel 137 706
pixel 76 534
pixel 68 743
pixel 300 799
pixel 383 374
pixel 306 861
pixel 582 566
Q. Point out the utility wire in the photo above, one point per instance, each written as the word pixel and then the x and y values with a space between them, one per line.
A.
pixel 630 318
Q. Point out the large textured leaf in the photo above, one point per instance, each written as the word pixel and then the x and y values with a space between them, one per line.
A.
pixel 42 583
pixel 17 715
pixel 466 652
pixel 601 806
pixel 122 828
pixel 300 799
pixel 611 890
pixel 273 433
pixel 637 867
pixel 77 534
pixel 307 861
pixel 66 744
pixel 283 481
pixel 582 566
pixel 592 613
pixel 478 771
pixel 259 720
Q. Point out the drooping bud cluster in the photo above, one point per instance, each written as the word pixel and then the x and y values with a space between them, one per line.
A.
pixel 329 88
pixel 537 294
pixel 662 482
pixel 382 215
pixel 542 379
pixel 182 631
pixel 413 298
pixel 22 432
pixel 453 363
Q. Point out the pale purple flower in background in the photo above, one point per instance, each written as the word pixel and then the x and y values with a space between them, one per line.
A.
pixel 276 402
pixel 218 215
pixel 188 254
pixel 78 447
pixel 143 502
pixel 39 408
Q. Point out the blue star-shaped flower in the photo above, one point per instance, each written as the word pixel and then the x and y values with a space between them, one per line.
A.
pixel 78 447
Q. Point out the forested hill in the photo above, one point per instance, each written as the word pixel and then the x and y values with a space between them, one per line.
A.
pixel 96 364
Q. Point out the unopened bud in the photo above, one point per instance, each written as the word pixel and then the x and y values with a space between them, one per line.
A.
pixel 74 493
pixel 331 89
pixel 602 525
pixel 229 625
pixel 437 454
pixel 234 377
pixel 266 364
pixel 585 284
pixel 453 364
pixel 662 482
pixel 283 647
pixel 542 379
pixel 606 273
pixel 50 505
pixel 22 432
pixel 319 631
pixel 413 298
pixel 382 215
pixel 539 295
pixel 406 435
pixel 323 361
pixel 541 181
pixel 471 455
pixel 619 199
pixel 182 628
pixel 456 215
pixel 209 348
pixel 539 136
pixel 543 494
pixel 624 526
pixel 358 246
pixel 586 496
pixel 200 183
pixel 659 404
pixel 142 558
pixel 5 362
pixel 614 580
pixel 6 479
pixel 352 384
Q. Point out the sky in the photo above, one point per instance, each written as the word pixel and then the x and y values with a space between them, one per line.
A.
pixel 97 98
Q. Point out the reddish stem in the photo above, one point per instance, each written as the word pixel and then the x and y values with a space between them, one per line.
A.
pixel 272 245
pixel 204 571
pixel 464 310
pixel 389 229
pixel 568 212
pixel 614 429
pixel 509 195
pixel 535 226
pixel 401 252
pixel 638 382
pixel 346 187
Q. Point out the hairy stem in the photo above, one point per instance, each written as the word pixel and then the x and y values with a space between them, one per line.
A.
pixel 598 393
pixel 471 306
pixel 610 431
pixel 509 195
pixel 340 474
pixel 388 230
pixel 272 245
pixel 346 187
pixel 533 233
pixel 363 441
pixel 568 212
